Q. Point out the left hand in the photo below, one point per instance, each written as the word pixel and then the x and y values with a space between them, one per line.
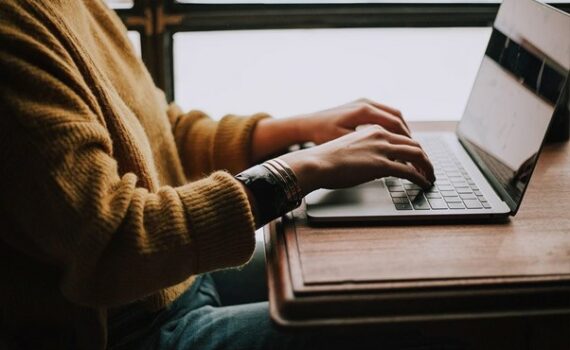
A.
pixel 273 135
pixel 330 124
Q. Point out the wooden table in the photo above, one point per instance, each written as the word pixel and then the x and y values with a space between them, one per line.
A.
pixel 386 274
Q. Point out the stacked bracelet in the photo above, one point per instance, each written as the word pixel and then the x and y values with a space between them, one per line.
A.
pixel 275 188
pixel 281 169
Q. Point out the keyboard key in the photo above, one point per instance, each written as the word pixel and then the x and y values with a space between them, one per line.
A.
pixel 437 204
pixel 472 204
pixel 463 190
pixel 412 187
pixel 455 205
pixel 400 200
pixel 448 193
pixel 467 196
pixel 477 192
pixel 413 198
pixel 453 199
pixel 395 188
pixel 432 195
pixel 474 188
pixel 445 187
pixel 400 194
pixel 403 206
pixel 458 182
pixel 412 193
pixel 391 181
pixel 486 204
pixel 420 203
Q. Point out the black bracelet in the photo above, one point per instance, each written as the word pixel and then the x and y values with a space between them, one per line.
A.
pixel 269 191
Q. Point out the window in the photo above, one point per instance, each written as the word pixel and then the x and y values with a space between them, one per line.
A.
pixel 426 72
pixel 190 48
pixel 135 38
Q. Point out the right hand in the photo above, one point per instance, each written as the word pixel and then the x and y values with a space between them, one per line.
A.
pixel 361 156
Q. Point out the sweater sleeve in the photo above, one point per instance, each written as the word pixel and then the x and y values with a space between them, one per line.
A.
pixel 206 145
pixel 67 205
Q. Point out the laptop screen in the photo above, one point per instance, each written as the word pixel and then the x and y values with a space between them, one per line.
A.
pixel 521 82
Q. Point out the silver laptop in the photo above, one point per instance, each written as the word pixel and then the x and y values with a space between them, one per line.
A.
pixel 483 169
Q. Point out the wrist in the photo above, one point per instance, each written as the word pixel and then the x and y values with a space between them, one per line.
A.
pixel 301 127
pixel 307 169
pixel 295 130
pixel 273 136
pixel 272 189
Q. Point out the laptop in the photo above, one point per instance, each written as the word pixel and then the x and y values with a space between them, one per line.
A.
pixel 483 168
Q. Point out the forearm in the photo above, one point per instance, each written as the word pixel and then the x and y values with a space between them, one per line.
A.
pixel 274 135
pixel 116 242
pixel 205 145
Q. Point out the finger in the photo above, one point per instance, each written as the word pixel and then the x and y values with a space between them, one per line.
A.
pixel 391 110
pixel 403 140
pixel 340 132
pixel 395 124
pixel 414 155
pixel 386 120
pixel 408 172
pixel 364 126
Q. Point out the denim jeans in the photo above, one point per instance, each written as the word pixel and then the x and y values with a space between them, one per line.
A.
pixel 199 319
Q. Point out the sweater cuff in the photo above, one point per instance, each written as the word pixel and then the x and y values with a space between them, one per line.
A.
pixel 233 142
pixel 220 221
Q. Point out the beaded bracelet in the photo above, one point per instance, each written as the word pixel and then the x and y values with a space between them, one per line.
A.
pixel 275 188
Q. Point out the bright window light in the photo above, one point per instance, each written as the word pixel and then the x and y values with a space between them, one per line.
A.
pixel 425 72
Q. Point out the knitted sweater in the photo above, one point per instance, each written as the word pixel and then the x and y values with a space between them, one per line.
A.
pixel 96 210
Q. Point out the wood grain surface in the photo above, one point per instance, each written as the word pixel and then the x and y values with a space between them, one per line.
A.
pixel 534 243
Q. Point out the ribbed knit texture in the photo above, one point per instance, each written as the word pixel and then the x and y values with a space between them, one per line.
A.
pixel 96 210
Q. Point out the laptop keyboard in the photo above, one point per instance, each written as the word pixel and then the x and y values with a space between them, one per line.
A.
pixel 453 189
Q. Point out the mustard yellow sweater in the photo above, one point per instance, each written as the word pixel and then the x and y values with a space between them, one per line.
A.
pixel 96 210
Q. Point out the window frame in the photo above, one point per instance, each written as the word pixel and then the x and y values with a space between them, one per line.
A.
pixel 140 18
pixel 200 17
pixel 158 20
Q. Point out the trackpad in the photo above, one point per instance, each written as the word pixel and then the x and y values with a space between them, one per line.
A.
pixel 370 196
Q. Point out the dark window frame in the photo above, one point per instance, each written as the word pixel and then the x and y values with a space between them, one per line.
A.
pixel 139 18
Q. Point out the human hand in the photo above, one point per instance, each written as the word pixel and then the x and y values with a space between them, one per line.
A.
pixel 330 124
pixel 364 155
pixel 273 135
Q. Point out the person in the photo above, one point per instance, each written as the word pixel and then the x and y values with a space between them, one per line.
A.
pixel 115 205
